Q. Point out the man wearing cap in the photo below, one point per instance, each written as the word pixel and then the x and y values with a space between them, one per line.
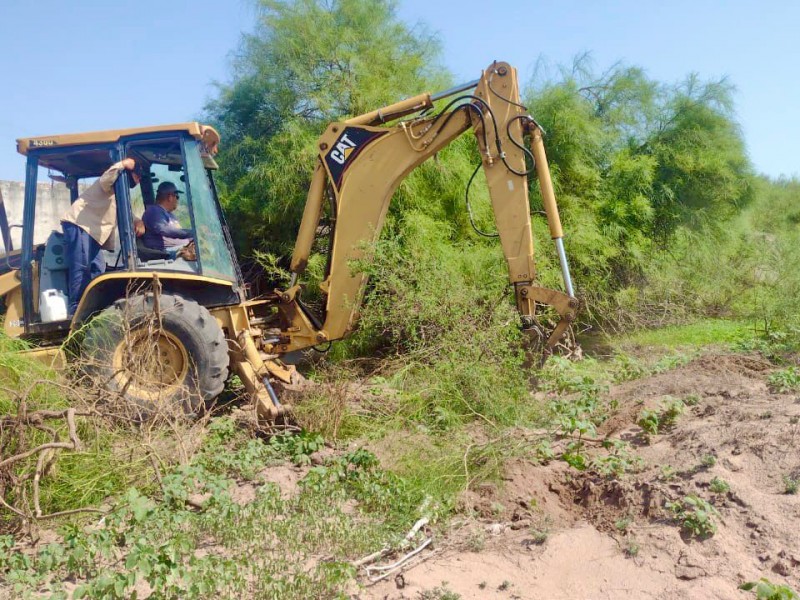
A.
pixel 162 231
pixel 89 225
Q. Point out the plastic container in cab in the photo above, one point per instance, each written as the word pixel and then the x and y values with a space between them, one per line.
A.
pixel 52 306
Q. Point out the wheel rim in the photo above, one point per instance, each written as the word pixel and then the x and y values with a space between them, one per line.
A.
pixel 151 365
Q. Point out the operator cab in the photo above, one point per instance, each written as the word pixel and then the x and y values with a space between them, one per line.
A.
pixel 59 168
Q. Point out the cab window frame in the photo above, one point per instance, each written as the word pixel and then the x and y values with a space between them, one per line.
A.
pixel 128 143
pixel 27 250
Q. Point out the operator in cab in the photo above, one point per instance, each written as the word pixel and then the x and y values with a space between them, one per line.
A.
pixel 89 225
pixel 162 231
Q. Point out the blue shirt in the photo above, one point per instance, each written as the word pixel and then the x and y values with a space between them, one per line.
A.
pixel 161 229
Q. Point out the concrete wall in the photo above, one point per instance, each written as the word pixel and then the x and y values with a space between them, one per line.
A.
pixel 52 201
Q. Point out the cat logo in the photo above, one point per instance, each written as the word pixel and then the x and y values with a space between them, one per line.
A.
pixel 344 147
pixel 348 145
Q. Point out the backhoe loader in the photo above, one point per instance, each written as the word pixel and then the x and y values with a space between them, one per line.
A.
pixel 207 327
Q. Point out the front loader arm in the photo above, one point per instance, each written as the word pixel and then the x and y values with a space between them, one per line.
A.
pixel 360 167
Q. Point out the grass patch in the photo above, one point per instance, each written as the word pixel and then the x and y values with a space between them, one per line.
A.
pixel 699 334
pixel 112 454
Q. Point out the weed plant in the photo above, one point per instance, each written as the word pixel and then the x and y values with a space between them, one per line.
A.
pixel 784 380
pixel 719 486
pixel 439 593
pixel 654 422
pixel 692 400
pixel 649 421
pixel 631 548
pixel 689 337
pixel 708 460
pixel 623 524
pixel 696 515
pixel 701 274
pixel 764 589
pixel 620 460
pixel 735 271
pixel 626 367
pixel 562 375
pixel 22 376
pixel 672 408
pixel 439 342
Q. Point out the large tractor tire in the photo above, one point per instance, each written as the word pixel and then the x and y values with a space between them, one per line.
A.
pixel 163 358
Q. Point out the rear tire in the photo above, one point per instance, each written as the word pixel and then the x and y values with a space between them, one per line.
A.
pixel 179 366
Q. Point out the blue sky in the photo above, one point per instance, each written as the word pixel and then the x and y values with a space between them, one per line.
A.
pixel 79 65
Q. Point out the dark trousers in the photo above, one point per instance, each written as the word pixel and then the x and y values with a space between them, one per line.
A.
pixel 84 260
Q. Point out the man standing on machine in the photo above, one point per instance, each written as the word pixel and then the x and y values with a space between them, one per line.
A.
pixel 89 225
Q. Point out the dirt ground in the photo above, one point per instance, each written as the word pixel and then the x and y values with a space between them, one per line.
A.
pixel 552 532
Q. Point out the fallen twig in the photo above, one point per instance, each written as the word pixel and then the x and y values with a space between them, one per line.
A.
pixel 18 457
pixel 16 511
pixel 386 550
pixel 371 557
pixel 389 569
pixel 64 513
pixel 46 455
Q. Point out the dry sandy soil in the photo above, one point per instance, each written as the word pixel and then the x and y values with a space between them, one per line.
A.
pixel 752 435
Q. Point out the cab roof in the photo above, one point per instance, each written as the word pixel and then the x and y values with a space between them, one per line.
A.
pixel 204 133
pixel 82 155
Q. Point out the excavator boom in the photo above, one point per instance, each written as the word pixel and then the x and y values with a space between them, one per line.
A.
pixel 361 164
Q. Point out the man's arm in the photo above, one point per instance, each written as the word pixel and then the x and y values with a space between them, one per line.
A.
pixel 109 178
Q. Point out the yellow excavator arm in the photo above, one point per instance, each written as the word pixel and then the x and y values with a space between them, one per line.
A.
pixel 360 165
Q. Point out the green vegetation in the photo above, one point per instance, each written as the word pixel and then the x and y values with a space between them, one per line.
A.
pixel 74 479
pixel 307 63
pixel 785 380
pixel 719 486
pixel 708 460
pixel 439 593
pixel 700 334
pixel 192 539
pixel 658 421
pixel 691 400
pixel 623 524
pixel 648 421
pixel 620 460
pixel 764 589
pixel 539 535
pixel 631 548
pixel 664 214
pixel 696 516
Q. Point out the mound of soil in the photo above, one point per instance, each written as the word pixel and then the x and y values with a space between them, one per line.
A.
pixel 557 533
